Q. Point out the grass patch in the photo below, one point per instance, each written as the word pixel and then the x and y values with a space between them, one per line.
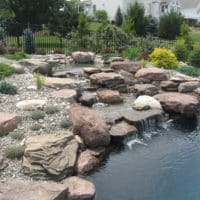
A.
pixel 7 88
pixel 16 136
pixel 5 70
pixel 36 127
pixel 14 152
pixel 50 110
pixel 38 114
pixel 65 123
pixel 16 56
pixel 190 71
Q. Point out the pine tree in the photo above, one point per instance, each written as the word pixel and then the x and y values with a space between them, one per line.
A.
pixel 118 17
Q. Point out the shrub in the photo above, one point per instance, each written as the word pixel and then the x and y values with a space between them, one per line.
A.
pixel 164 58
pixel 101 16
pixel 131 53
pixel 16 136
pixel 37 114
pixel 36 127
pixel 190 71
pixel 180 50
pixel 58 51
pixel 16 56
pixel 107 56
pixel 194 57
pixel 5 70
pixel 49 110
pixel 41 52
pixel 65 123
pixel 39 79
pixel 7 88
pixel 29 41
pixel 14 152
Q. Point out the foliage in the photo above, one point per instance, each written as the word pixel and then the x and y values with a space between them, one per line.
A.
pixel 3 47
pixel 36 127
pixel 190 71
pixel 14 152
pixel 2 33
pixel 37 114
pixel 7 88
pixel 180 50
pixel 65 123
pixel 5 70
pixel 16 136
pixel 16 56
pixel 29 41
pixel 101 16
pixel 169 26
pixel 131 53
pixel 194 56
pixel 41 52
pixel 58 51
pixel 164 58
pixel 49 110
pixel 40 80
pixel 135 21
pixel 94 26
pixel 152 26
pixel 118 17
pixel 107 56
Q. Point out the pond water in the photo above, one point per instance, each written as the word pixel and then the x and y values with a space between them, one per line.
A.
pixel 162 165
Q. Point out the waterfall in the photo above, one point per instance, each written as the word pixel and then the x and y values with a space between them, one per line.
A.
pixel 148 125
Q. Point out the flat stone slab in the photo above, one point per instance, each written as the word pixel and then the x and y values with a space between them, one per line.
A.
pixel 188 86
pixel 61 82
pixel 31 104
pixel 91 70
pixel 145 89
pixel 68 94
pixel 109 96
pixel 8 122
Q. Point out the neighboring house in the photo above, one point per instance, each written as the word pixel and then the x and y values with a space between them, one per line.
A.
pixel 191 10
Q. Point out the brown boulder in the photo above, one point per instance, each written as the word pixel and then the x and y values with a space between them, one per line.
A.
pixel 79 189
pixel 89 125
pixel 188 86
pixel 178 103
pixel 170 86
pixel 91 70
pixel 8 122
pixel 109 96
pixel 145 89
pixel 151 74
pixel 131 67
pixel 88 99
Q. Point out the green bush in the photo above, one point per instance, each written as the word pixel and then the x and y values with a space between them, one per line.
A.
pixel 37 114
pixel 194 57
pixel 14 152
pixel 16 56
pixel 164 58
pixel 65 123
pixel 16 136
pixel 180 50
pixel 36 127
pixel 49 110
pixel 5 70
pixel 190 71
pixel 131 53
pixel 7 88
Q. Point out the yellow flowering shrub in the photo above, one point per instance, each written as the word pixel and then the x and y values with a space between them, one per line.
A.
pixel 164 58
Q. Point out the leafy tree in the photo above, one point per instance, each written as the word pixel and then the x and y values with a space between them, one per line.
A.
pixel 169 26
pixel 101 16
pixel 135 17
pixel 119 17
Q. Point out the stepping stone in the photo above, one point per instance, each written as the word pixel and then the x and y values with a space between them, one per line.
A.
pixel 68 94
pixel 31 104
pixel 8 122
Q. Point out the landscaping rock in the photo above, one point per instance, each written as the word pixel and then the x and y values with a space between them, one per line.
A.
pixel 88 99
pixel 169 86
pixel 131 67
pixel 44 69
pixel 122 130
pixel 179 77
pixel 113 59
pixel 83 57
pixel 19 69
pixel 67 94
pixel 108 80
pixel 60 82
pixel 91 70
pixel 31 104
pixel 89 125
pixel 8 122
pixel 53 154
pixel 146 102
pixel 145 89
pixel 109 96
pixel 174 102
pixel 151 74
pixel 188 87
pixel 18 189
pixel 79 189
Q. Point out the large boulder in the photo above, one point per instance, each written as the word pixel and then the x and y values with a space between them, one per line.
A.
pixel 188 86
pixel 8 122
pixel 146 102
pixel 151 74
pixel 178 103
pixel 18 189
pixel 108 80
pixel 89 125
pixel 145 89
pixel 109 96
pixel 131 67
pixel 79 189
pixel 83 57
pixel 19 69
pixel 53 154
